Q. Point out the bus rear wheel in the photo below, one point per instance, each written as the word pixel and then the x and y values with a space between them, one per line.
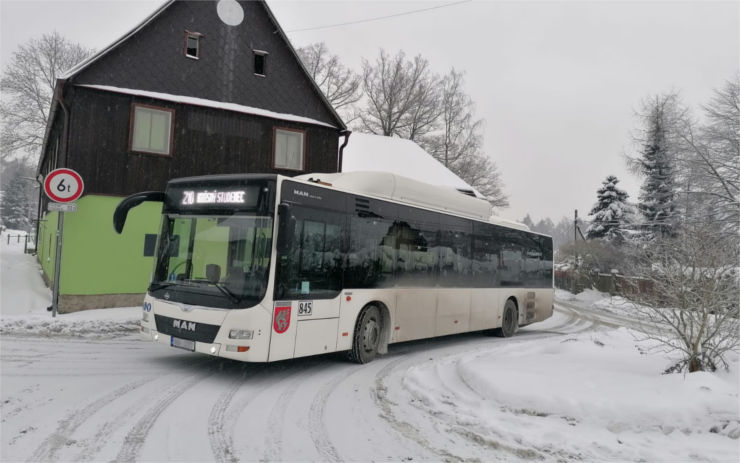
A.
pixel 510 322
pixel 367 336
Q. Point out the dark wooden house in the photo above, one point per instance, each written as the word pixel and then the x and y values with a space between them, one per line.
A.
pixel 199 87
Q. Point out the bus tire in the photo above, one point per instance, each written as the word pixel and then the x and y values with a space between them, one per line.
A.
pixel 366 336
pixel 510 321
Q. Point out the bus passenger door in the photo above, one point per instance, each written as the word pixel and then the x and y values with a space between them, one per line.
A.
pixel 308 281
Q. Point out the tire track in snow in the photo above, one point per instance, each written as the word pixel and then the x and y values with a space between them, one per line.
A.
pixel 404 428
pixel 135 438
pixel 575 323
pixel 224 415
pixel 48 448
pixel 219 435
pixel 319 433
pixel 274 444
pixel 592 319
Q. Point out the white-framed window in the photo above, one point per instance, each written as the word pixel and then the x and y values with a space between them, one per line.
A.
pixel 151 129
pixel 289 149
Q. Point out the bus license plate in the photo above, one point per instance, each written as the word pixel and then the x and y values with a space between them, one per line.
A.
pixel 182 344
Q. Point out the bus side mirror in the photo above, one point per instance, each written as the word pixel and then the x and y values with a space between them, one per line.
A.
pixel 119 215
pixel 286 226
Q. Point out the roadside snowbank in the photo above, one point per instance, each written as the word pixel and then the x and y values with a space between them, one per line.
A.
pixel 594 396
pixel 99 323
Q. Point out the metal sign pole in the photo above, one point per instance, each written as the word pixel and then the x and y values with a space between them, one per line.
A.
pixel 63 186
pixel 57 265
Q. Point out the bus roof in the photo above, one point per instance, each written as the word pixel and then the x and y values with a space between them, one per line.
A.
pixel 398 188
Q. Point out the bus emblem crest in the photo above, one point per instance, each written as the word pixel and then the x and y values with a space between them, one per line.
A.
pixel 282 319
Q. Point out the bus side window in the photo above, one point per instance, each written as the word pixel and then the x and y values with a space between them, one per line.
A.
pixel 312 264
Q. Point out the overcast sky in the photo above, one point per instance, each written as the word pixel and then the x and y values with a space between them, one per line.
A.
pixel 557 83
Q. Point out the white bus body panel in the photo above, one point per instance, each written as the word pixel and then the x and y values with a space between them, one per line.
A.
pixel 415 313
pixel 453 311
pixel 487 307
pixel 304 336
pixel 316 337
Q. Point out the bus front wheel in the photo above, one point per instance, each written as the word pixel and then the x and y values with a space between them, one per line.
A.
pixel 510 322
pixel 366 336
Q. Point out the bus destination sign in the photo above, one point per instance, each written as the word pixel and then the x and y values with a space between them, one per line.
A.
pixel 190 197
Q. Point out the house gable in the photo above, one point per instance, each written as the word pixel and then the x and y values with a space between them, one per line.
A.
pixel 153 58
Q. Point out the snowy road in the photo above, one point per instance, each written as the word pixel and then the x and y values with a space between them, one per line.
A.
pixel 577 387
pixel 130 400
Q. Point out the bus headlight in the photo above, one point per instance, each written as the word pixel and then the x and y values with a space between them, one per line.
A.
pixel 241 334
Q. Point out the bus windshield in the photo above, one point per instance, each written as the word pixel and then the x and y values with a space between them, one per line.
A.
pixel 214 261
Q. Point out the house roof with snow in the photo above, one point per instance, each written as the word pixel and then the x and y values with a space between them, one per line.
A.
pixel 151 61
pixel 234 29
pixel 367 152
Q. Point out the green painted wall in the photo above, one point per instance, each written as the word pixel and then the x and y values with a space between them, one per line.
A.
pixel 96 260
pixel 47 244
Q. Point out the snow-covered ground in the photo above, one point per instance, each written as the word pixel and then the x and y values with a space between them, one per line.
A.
pixel 579 386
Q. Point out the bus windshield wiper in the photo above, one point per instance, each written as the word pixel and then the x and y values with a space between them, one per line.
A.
pixel 155 286
pixel 233 297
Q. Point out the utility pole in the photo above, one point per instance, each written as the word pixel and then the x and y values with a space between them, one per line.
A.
pixel 574 288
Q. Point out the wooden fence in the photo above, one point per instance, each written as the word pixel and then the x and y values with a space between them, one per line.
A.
pixel 611 283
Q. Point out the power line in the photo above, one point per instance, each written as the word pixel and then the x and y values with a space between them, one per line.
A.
pixel 379 18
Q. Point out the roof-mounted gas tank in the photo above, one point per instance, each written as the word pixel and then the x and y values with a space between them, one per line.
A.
pixel 410 191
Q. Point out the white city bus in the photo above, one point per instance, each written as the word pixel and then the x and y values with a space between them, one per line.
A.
pixel 260 268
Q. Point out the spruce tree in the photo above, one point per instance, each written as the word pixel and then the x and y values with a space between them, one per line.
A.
pixel 656 163
pixel 527 220
pixel 608 212
pixel 15 210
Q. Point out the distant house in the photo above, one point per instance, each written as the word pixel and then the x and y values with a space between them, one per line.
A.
pixel 199 87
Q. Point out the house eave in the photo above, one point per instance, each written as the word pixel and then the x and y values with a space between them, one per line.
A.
pixel 202 102
pixel 59 88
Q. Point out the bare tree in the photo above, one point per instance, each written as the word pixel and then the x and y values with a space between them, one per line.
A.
pixel 691 302
pixel 458 143
pixel 480 172
pixel 402 96
pixel 711 162
pixel 27 88
pixel 340 85
pixel 459 132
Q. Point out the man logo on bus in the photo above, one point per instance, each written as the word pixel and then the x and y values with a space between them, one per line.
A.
pixel 282 319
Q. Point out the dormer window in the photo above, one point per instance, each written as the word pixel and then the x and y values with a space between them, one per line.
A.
pixel 192 44
pixel 260 59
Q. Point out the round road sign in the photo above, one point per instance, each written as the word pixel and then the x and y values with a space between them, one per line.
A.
pixel 63 185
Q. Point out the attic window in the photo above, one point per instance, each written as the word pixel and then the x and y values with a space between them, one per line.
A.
pixel 260 58
pixel 192 44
